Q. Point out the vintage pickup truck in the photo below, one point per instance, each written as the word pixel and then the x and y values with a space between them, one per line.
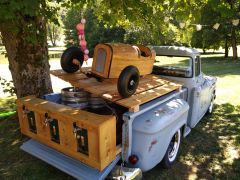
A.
pixel 119 136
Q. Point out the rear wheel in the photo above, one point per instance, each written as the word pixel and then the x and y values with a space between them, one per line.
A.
pixel 172 151
pixel 70 56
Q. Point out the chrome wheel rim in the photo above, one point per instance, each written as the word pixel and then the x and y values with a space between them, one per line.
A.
pixel 174 146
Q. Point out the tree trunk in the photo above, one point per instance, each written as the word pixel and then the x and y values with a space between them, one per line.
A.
pixel 234 44
pixel 204 51
pixel 226 47
pixel 28 55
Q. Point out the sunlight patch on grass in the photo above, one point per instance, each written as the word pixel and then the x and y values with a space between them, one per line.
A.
pixel 8 104
pixel 228 89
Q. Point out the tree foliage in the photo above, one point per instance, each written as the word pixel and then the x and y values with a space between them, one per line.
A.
pixel 23 29
pixel 95 31
pixel 54 33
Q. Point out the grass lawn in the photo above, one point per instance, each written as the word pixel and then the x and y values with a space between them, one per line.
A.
pixel 53 55
pixel 211 151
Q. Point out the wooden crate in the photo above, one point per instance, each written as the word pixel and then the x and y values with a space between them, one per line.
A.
pixel 98 131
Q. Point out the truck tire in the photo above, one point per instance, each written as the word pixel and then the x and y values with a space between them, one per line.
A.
pixel 128 81
pixel 67 59
pixel 172 150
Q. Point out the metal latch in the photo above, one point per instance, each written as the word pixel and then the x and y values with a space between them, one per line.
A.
pixel 53 127
pixel 30 116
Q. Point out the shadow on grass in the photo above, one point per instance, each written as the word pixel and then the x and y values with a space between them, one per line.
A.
pixel 212 53
pixel 211 150
pixel 16 164
pixel 220 66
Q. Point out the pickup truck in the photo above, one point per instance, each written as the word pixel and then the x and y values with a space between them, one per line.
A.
pixel 127 141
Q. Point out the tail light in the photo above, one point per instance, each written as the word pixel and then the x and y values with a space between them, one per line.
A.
pixel 133 159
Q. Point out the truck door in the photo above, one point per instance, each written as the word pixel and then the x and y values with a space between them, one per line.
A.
pixel 203 89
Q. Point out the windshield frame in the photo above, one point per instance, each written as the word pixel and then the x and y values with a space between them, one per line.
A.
pixel 191 60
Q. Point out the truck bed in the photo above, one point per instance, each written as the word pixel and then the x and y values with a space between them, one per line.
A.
pixel 150 87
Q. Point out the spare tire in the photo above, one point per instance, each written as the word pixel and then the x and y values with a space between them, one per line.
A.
pixel 67 59
pixel 128 81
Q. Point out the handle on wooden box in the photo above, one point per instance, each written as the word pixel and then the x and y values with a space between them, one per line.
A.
pixel 47 119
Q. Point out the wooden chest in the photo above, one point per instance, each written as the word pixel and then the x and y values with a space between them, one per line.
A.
pixel 88 137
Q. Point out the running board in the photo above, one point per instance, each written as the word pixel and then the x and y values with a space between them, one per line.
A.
pixel 65 163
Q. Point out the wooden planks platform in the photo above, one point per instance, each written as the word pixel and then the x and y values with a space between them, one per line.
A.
pixel 149 88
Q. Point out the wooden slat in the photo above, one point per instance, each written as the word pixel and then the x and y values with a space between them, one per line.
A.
pixel 60 72
pixel 149 88
pixel 73 77
pixel 136 100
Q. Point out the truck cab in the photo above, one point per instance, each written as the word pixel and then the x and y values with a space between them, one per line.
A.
pixel 184 65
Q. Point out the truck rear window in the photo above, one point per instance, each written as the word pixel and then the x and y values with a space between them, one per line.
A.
pixel 173 66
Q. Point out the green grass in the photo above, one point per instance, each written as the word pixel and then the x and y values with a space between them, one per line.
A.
pixel 211 151
pixel 53 55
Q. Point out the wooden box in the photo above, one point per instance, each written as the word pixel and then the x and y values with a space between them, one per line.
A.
pixel 110 59
pixel 87 137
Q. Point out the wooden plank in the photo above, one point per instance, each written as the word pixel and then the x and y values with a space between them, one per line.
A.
pixel 148 89
pixel 60 72
pixel 107 138
pixel 148 95
pixel 144 65
pixel 74 77
pixel 108 89
pixel 44 106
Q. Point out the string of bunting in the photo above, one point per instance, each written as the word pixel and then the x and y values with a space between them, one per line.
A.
pixel 182 25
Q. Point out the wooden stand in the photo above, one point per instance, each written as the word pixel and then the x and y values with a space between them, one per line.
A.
pixel 87 137
pixel 150 87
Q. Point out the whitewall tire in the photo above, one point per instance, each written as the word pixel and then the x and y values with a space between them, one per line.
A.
pixel 172 150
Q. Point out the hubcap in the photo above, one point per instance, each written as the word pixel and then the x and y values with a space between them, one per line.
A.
pixel 174 146
pixel 132 84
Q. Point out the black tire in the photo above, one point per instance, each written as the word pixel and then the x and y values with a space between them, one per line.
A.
pixel 67 57
pixel 128 81
pixel 172 150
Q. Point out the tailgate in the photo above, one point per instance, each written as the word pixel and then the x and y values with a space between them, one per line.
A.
pixel 65 163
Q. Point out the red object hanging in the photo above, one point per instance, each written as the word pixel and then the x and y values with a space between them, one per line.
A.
pixel 81 37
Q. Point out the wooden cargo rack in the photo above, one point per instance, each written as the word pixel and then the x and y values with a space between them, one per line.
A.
pixel 150 87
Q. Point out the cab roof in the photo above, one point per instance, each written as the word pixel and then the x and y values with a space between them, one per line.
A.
pixel 174 51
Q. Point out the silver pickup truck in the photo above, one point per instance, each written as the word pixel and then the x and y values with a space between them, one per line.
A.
pixel 153 134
